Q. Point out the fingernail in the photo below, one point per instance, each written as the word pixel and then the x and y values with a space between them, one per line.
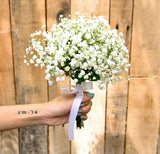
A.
pixel 91 95
pixel 79 114
pixel 82 104
pixel 80 111
pixel 83 117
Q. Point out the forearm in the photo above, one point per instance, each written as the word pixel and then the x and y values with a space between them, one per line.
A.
pixel 17 116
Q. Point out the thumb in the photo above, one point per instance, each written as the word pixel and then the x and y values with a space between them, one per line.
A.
pixel 87 96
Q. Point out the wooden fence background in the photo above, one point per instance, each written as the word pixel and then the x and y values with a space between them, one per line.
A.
pixel 125 119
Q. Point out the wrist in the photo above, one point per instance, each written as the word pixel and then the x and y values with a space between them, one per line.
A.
pixel 47 113
pixel 42 114
pixel 32 114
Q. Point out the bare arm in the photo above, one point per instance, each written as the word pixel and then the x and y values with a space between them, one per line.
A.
pixel 51 113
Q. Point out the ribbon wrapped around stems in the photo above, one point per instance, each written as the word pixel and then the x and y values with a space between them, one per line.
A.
pixel 79 88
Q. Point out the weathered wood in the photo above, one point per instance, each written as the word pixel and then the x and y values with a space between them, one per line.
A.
pixel 117 95
pixel 121 18
pixel 8 139
pixel 58 136
pixel 143 116
pixel 31 87
pixel 145 38
pixel 90 139
pixel 116 117
pixel 93 8
pixel 9 142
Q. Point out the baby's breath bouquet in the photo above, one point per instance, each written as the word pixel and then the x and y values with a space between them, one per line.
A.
pixel 83 48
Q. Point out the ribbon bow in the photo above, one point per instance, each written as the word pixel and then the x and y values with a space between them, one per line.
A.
pixel 79 88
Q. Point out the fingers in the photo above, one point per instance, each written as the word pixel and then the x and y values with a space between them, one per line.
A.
pixel 87 96
pixel 82 112
pixel 84 117
pixel 87 107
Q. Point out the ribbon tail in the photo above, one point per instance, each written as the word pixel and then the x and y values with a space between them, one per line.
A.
pixel 73 114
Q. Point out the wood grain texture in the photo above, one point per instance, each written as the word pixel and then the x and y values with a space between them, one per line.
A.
pixel 93 8
pixel 8 139
pixel 31 87
pixel 90 139
pixel 146 35
pixel 116 117
pixel 58 136
pixel 143 116
pixel 117 95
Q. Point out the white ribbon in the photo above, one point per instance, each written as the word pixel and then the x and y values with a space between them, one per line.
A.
pixel 79 88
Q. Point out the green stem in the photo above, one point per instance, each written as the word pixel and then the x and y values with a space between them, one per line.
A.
pixel 79 123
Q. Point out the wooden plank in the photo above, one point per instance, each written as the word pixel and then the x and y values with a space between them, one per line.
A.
pixel 58 135
pixel 31 87
pixel 90 139
pixel 8 139
pixel 146 35
pixel 143 116
pixel 87 7
pixel 116 117
pixel 117 95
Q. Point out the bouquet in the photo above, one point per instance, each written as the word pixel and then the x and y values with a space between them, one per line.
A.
pixel 83 48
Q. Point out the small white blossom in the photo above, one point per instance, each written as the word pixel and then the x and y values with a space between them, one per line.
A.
pixel 42 66
pixel 80 47
pixel 34 57
pixel 75 80
pixel 67 68
pixel 58 79
pixel 88 36
pixel 77 13
pixel 36 65
pixel 25 61
pixel 62 78
pixel 50 82
pixel 47 77
pixel 31 61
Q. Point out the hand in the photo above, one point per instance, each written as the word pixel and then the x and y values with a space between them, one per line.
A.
pixel 58 109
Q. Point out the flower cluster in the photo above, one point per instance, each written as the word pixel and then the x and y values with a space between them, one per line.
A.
pixel 82 48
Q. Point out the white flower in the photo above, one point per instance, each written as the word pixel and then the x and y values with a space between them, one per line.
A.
pixel 25 61
pixel 36 65
pixel 42 66
pixel 102 86
pixel 67 68
pixel 31 61
pixel 88 36
pixel 82 72
pixel 77 13
pixel 58 79
pixel 80 75
pixel 62 78
pixel 75 80
pixel 62 63
pixel 47 77
pixel 50 83
pixel 86 77
pixel 34 57
pixel 38 61
pixel 80 45
pixel 126 69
